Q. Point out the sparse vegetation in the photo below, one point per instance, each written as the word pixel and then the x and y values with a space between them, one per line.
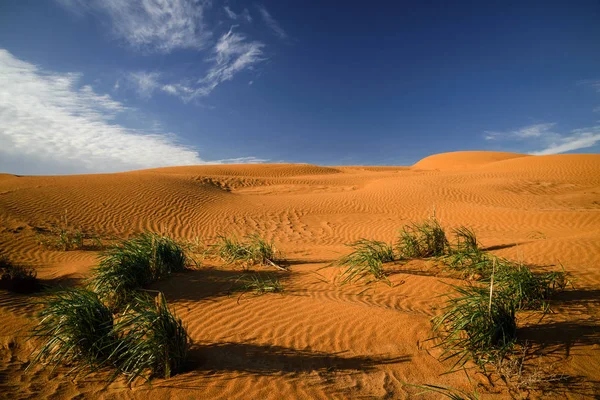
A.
pixel 466 240
pixel 75 328
pixel 447 392
pixel 528 290
pixel 16 277
pixel 134 263
pixel 258 284
pixel 253 250
pixel 477 323
pixel 424 240
pixel 152 340
pixel 366 261
pixel 65 237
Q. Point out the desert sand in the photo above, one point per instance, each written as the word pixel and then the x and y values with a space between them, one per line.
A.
pixel 318 340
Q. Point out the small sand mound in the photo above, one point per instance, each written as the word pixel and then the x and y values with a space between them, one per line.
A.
pixel 462 159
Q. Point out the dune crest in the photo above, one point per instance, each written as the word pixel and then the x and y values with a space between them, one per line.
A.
pixel 463 159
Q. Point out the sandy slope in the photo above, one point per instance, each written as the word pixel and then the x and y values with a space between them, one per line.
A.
pixel 318 340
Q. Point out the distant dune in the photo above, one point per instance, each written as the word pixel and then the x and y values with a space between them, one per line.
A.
pixel 318 340
pixel 463 159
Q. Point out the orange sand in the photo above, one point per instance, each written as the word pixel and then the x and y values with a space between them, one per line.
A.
pixel 317 340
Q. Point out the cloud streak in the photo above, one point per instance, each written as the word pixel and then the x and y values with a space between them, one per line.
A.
pixel 151 25
pixel 545 137
pixel 232 54
pixel 272 23
pixel 245 14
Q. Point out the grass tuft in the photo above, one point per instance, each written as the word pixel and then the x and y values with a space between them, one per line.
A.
pixel 258 284
pixel 366 261
pixel 424 240
pixel 476 324
pixel 152 340
pixel 17 278
pixel 526 289
pixel 76 328
pixel 466 240
pixel 65 237
pixel 134 263
pixel 253 250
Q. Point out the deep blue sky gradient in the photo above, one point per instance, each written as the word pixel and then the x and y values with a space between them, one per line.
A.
pixel 355 82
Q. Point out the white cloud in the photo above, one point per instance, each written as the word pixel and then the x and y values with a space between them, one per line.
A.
pixel 242 160
pixel 230 13
pixel 577 139
pixel 151 25
pixel 47 118
pixel 530 131
pixel 551 142
pixel 271 22
pixel 144 83
pixel 231 55
pixel 245 14
pixel 51 124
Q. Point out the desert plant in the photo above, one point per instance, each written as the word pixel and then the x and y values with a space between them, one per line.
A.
pixel 134 263
pixel 253 250
pixel 446 391
pixel 472 264
pixel 527 289
pixel 366 261
pixel 258 284
pixel 16 277
pixel 466 240
pixel 152 339
pixel 75 328
pixel 427 239
pixel 64 236
pixel 477 323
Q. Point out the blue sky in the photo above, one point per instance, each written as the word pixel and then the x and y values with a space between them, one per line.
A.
pixel 113 85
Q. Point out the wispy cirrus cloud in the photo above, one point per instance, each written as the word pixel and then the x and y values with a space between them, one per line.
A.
pixel 151 25
pixel 575 140
pixel 530 131
pixel 245 14
pixel 232 54
pixel 166 25
pixel 50 123
pixel 593 83
pixel 271 22
pixel 547 140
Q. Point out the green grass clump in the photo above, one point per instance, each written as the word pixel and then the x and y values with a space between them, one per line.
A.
pixel 424 240
pixel 75 328
pixel 366 261
pixel 526 289
pixel 253 250
pixel 17 278
pixel 259 284
pixel 152 340
pixel 466 240
pixel 472 264
pixel 134 263
pixel 476 325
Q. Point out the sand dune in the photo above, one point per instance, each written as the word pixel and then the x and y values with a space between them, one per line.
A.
pixel 463 159
pixel 318 339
